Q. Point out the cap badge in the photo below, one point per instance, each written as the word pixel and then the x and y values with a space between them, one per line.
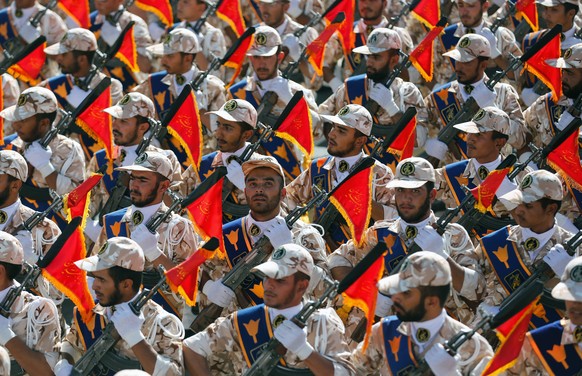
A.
pixel 261 39
pixel 526 182
pixel 137 218
pixel 411 232
pixel 422 335
pixel 231 105
pixel 373 39
pixel 141 159
pixel 22 99
pixel 568 53
pixel 254 230
pixel 578 334
pixel 343 166
pixel 483 172
pixel 480 115
pixel 3 217
pixel 124 100
pixel 465 42
pixel 168 39
pixel 344 111
pixel 531 244
pixel 279 253
pixel 576 273
pixel 407 168
pixel 102 249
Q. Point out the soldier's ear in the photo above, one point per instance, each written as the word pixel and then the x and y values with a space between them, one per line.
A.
pixel 15 185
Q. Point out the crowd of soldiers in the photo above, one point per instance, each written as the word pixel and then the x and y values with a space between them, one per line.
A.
pixel 443 275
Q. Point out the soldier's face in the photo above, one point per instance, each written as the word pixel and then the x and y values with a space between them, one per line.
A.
pixel 68 63
pixel 190 10
pixel 265 66
pixel 229 135
pixel 378 66
pixel 125 132
pixel 469 72
pixel 533 216
pixel 483 147
pixel 176 63
pixel 4 189
pixel 342 141
pixel 413 204
pixel 471 14
pixel 371 10
pixel 28 130
pixel 572 82
pixel 106 290
pixel 284 292
pixel 264 192
pixel 409 305
pixel 145 188
pixel 107 6
pixel 556 15
pixel 574 311
pixel 24 3
pixel 273 13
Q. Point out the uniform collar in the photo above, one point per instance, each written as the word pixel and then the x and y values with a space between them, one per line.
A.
pixel 479 85
pixel 542 239
pixel 262 225
pixel 130 154
pixel 288 313
pixel 351 161
pixel 224 156
pixel 147 212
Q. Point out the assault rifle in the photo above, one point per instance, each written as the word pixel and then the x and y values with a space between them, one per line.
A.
pixel 38 217
pixel 11 58
pixel 29 280
pixel 407 8
pixel 241 271
pixel 274 351
pixel 509 11
pixel 109 337
pixel 35 21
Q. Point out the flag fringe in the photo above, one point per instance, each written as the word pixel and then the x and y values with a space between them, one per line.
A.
pixel 161 15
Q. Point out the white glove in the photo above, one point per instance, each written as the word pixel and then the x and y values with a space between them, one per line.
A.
pixel 29 33
pixel 282 90
pixel 294 9
pixel 565 119
pixel 383 305
pixel 528 96
pixel 39 158
pixel 201 100
pixel 148 242
pixel 441 363
pixel 63 368
pixel 6 333
pixel 93 230
pixel 278 233
pixel 430 240
pixel 384 97
pixel 436 148
pixel 335 83
pixel 109 32
pixel 487 309
pixel 235 174
pixel 492 42
pixel 218 293
pixel 294 339
pixel 292 43
pixel 25 238
pixel 483 96
pixel 128 324
pixel 557 258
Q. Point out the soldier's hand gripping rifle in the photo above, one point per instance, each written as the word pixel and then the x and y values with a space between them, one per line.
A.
pixel 274 351
pixel 109 337
pixel 28 281
pixel 488 322
pixel 11 58
pixel 241 271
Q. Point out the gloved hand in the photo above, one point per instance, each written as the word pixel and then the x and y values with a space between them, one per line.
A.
pixel 529 96
pixel 201 100
pixel 292 43
pixel 436 148
pixel 278 233
pixel 384 97
pixel 128 324
pixel 492 42
pixel 25 238
pixel 383 305
pixel 487 309
pixel 235 174
pixel 440 361
pixel 557 258
pixel 63 368
pixel 39 158
pixel 294 339
pixel 29 33
pixel 6 333
pixel 430 240
pixel 148 242
pixel 565 119
pixel 218 293
pixel 294 9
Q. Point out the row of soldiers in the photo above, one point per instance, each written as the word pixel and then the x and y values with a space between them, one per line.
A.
pixel 460 278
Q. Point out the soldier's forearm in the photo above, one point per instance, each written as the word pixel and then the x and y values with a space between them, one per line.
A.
pixel 457 274
pixel 146 355
pixel 195 363
pixel 33 362
pixel 319 365
pixel 340 272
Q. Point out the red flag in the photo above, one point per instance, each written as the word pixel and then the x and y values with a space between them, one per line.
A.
pixel 76 202
pixel 230 12
pixel 97 123
pixel 422 56
pixel 484 193
pixel 183 278
pixel 528 10
pixel 403 145
pixel 316 49
pixel 511 335
pixel 161 8
pixel 353 199
pixel 550 76
pixel 28 69
pixel 78 10
pixel 183 123
pixel 296 124
pixel 428 12
pixel 566 161
pixel 346 28
pixel 127 53
pixel 236 55
pixel 59 269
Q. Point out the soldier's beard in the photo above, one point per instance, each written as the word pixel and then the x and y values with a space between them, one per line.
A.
pixel 419 215
pixel 114 299
pixel 414 315
pixel 380 76
pixel 4 197
pixel 572 92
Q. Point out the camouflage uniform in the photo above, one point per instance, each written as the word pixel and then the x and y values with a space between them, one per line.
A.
pixel 10 93
pixel 51 25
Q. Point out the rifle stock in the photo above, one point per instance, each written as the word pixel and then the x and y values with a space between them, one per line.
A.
pixel 29 280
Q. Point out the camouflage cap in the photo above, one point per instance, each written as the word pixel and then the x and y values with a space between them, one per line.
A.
pixel 419 269
pixel 238 110
pixel 572 58
pixel 285 261
pixel 178 40
pixel 10 249
pixel 263 161
pixel 553 3
pixel 353 116
pixel 13 164
pixel 534 186
pixel 380 40
pixel 469 47
pixel 570 286
pixel 412 172
pixel 486 119
pixel 132 104
pixel 77 39
pixel 266 41
pixel 151 161
pixel 117 251
pixel 32 101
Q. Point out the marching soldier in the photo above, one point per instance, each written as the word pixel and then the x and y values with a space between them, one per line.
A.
pixel 349 133
pixel 10 93
pixel 509 254
pixel 421 325
pixel 471 55
pixel 172 242
pixel 31 331
pixel 286 279
pixel 61 166
pixel 150 340
pixel 414 193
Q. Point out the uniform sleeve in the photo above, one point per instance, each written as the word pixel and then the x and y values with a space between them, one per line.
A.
pixel 517 129
pixel 165 337
pixel 348 254
pixel 299 190
pixel 371 361
pixel 71 160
